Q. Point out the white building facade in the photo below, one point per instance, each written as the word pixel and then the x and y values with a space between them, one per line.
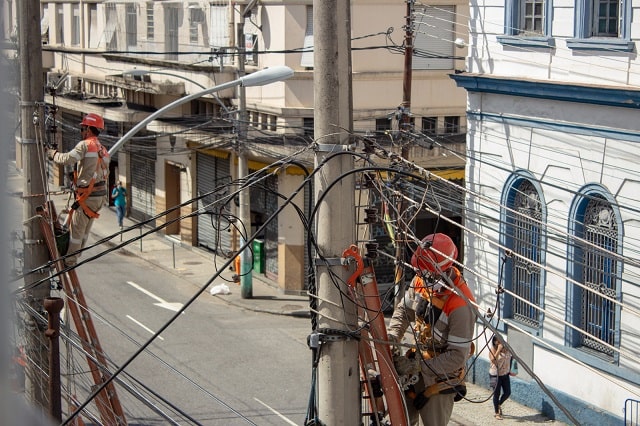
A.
pixel 553 224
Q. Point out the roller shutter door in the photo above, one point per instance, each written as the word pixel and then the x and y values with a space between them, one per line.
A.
pixel 143 184
pixel 214 228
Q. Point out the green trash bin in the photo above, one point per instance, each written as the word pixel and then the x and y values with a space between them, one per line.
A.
pixel 258 256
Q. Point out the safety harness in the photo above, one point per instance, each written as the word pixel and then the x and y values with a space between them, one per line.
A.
pixel 94 147
pixel 426 316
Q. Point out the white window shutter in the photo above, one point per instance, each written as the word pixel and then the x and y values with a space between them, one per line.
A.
pixel 219 32
pixel 307 52
pixel 434 31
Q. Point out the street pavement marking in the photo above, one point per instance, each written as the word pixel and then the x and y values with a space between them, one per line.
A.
pixel 276 413
pixel 143 326
pixel 175 307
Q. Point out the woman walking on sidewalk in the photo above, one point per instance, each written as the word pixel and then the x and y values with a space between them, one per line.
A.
pixel 119 195
pixel 499 370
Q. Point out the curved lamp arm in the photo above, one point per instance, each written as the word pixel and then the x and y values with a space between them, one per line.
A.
pixel 258 78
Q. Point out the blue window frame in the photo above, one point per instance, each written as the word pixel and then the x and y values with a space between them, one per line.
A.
pixel 528 23
pixel 523 236
pixel 593 263
pixel 603 25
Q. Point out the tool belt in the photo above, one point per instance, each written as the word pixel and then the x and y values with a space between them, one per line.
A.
pixel 82 193
pixel 453 385
pixel 99 189
pixel 98 186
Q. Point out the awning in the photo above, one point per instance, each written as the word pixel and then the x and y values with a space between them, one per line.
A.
pixel 449 174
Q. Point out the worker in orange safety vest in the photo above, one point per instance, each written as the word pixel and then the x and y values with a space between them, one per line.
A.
pixel 433 371
pixel 90 182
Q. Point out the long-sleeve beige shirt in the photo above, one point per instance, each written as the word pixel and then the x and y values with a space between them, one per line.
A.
pixel 86 154
pixel 452 331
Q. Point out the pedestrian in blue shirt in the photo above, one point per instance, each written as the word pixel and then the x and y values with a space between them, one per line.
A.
pixel 119 195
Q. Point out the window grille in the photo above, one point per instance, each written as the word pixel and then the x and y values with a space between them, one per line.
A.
pixel 524 227
pixel 599 275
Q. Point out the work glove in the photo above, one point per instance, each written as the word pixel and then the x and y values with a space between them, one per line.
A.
pixel 394 346
pixel 51 153
pixel 405 366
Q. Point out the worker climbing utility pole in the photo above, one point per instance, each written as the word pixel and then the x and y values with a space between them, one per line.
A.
pixel 30 158
pixel 404 124
pixel 338 374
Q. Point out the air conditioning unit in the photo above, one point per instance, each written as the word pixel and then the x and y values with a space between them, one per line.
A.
pixel 55 80
pixel 73 84
pixel 62 82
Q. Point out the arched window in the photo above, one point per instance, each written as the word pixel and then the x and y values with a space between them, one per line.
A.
pixel 523 236
pixel 594 264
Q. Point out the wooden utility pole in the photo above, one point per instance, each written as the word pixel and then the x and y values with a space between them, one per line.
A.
pixel 407 76
pixel 35 251
pixel 338 373
pixel 404 126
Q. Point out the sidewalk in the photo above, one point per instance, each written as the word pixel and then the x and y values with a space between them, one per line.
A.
pixel 199 266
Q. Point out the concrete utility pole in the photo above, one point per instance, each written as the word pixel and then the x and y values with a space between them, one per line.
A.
pixel 246 276
pixel 338 374
pixel 35 252
pixel 404 125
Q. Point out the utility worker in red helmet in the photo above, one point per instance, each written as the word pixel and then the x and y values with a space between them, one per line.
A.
pixel 90 182
pixel 433 371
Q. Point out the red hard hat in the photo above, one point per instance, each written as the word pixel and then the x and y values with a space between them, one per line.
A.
pixel 93 120
pixel 436 253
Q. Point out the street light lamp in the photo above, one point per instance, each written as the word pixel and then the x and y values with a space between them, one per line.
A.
pixel 259 78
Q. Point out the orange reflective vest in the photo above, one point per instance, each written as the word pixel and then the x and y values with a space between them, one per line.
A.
pixel 94 150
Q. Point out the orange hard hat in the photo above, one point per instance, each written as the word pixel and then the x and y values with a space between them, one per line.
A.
pixel 93 120
pixel 435 254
